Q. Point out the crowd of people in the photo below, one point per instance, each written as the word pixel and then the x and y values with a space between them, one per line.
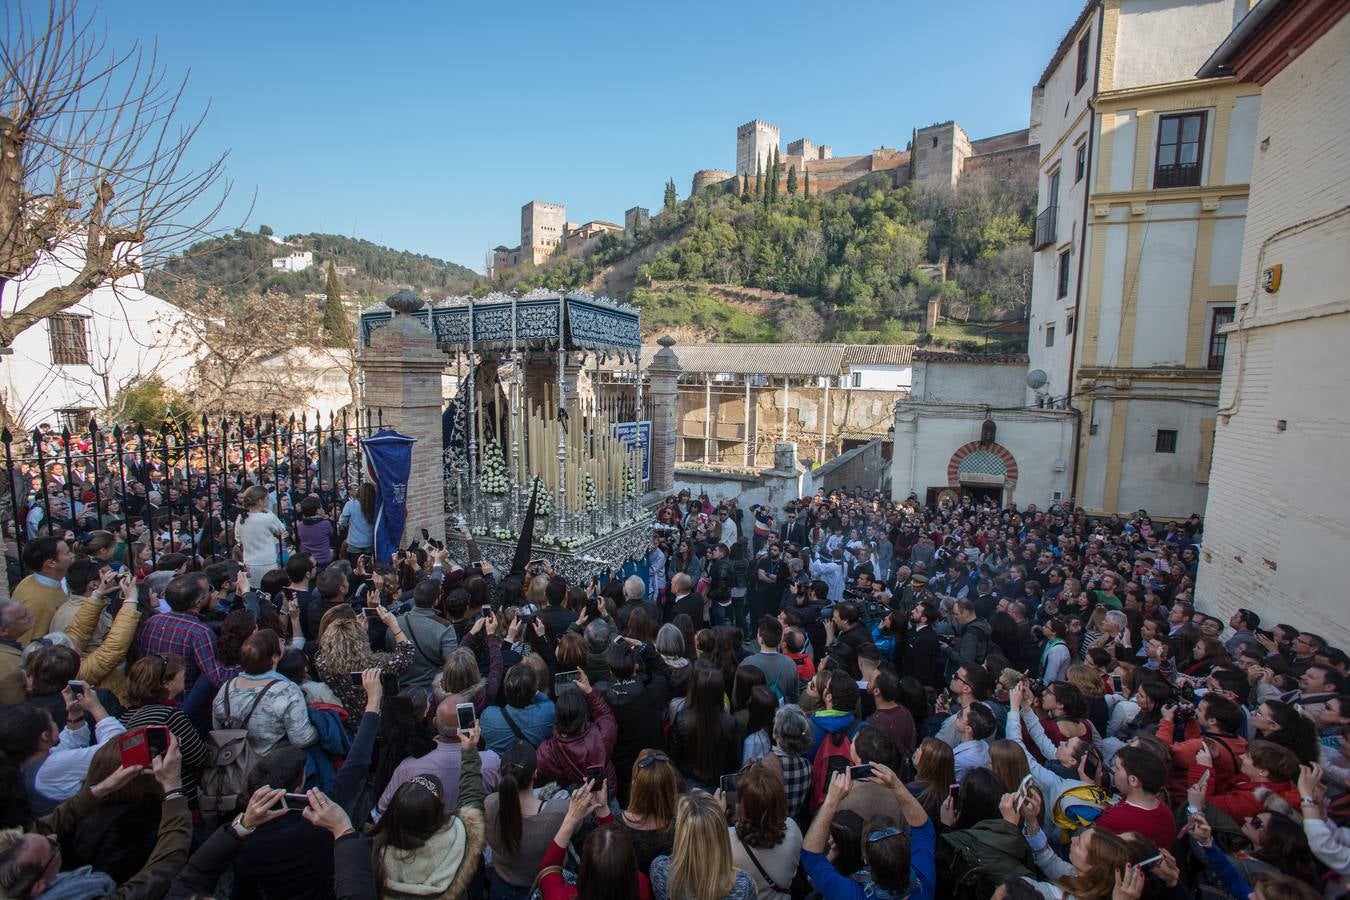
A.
pixel 844 698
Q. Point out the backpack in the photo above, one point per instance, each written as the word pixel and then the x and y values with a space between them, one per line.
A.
pixel 1077 808
pixel 223 789
pixel 833 755
pixel 965 873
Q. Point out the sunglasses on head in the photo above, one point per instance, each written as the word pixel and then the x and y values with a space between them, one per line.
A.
pixel 654 758
pixel 874 836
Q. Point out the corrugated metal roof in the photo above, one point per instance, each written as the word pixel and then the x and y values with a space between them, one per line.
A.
pixel 758 359
pixel 880 354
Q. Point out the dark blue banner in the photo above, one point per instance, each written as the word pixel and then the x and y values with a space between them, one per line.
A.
pixel 389 463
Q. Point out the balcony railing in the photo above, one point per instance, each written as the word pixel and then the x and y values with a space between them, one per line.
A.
pixel 1177 175
pixel 1045 227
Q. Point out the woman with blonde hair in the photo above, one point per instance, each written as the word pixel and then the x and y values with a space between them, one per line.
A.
pixel 700 868
pixel 259 533
pixel 1093 689
pixel 344 649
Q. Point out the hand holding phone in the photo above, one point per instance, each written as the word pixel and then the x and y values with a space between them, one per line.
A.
pixel 465 716
pixel 596 776
pixel 294 802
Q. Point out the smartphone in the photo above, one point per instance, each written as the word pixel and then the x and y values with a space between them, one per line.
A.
pixel 354 678
pixel 76 687
pixel 953 790
pixel 487 611
pixel 134 748
pixel 728 783
pixel 1092 766
pixel 1117 684
pixel 1022 791
pixel 157 736
pixel 569 677
pixel 858 773
pixel 294 802
pixel 465 714
pixel 596 775
pixel 1151 861
pixel 527 620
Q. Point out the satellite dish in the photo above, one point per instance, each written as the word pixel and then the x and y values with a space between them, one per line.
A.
pixel 1037 378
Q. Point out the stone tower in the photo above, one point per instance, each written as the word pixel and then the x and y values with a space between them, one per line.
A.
pixel 939 153
pixel 755 142
pixel 542 227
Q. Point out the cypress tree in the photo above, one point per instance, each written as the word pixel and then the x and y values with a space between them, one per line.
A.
pixel 670 199
pixel 792 181
pixel 777 173
pixel 806 185
pixel 759 178
pixel 337 328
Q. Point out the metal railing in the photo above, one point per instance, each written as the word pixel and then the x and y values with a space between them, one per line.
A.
pixel 1045 227
pixel 100 478
pixel 1176 175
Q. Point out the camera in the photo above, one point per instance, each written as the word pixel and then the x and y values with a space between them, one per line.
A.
pixel 1185 713
pixel 1035 685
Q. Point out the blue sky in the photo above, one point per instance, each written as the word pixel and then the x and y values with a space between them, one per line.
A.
pixel 425 126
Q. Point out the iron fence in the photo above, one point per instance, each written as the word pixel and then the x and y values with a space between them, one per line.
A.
pixel 95 478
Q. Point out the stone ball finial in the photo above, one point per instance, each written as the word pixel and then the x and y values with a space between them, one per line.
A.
pixel 666 341
pixel 405 301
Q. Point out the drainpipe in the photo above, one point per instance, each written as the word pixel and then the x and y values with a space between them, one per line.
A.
pixel 1082 257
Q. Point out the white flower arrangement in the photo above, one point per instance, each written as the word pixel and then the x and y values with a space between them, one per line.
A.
pixel 543 504
pixel 592 504
pixel 493 478
pixel 630 481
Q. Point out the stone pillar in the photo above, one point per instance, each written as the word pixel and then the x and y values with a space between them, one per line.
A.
pixel 664 371
pixel 930 321
pixel 403 369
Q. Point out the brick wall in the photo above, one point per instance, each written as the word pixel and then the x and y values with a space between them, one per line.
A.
pixel 403 369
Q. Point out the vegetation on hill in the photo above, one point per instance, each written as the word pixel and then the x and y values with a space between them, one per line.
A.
pixel 859 265
pixel 242 262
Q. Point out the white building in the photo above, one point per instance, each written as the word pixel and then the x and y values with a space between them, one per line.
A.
pixel 1143 192
pixel 69 366
pixel 880 367
pixel 965 430
pixel 1278 520
pixel 298 261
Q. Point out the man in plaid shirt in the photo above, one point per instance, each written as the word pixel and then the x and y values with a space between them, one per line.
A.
pixel 182 631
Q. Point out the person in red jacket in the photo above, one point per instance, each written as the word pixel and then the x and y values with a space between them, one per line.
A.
pixel 1140 776
pixel 608 861
pixel 1217 721
pixel 1265 767
pixel 584 734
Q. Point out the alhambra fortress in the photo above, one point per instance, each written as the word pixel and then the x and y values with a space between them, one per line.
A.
pixel 940 154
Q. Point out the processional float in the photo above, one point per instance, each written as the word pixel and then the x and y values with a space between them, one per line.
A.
pixel 517 426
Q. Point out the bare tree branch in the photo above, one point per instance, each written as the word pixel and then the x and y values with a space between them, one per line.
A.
pixel 94 154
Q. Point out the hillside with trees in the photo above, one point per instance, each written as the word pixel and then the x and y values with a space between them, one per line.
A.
pixel 856 265
pixel 242 262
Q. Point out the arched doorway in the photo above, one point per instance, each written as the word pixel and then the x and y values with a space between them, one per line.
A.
pixel 983 471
